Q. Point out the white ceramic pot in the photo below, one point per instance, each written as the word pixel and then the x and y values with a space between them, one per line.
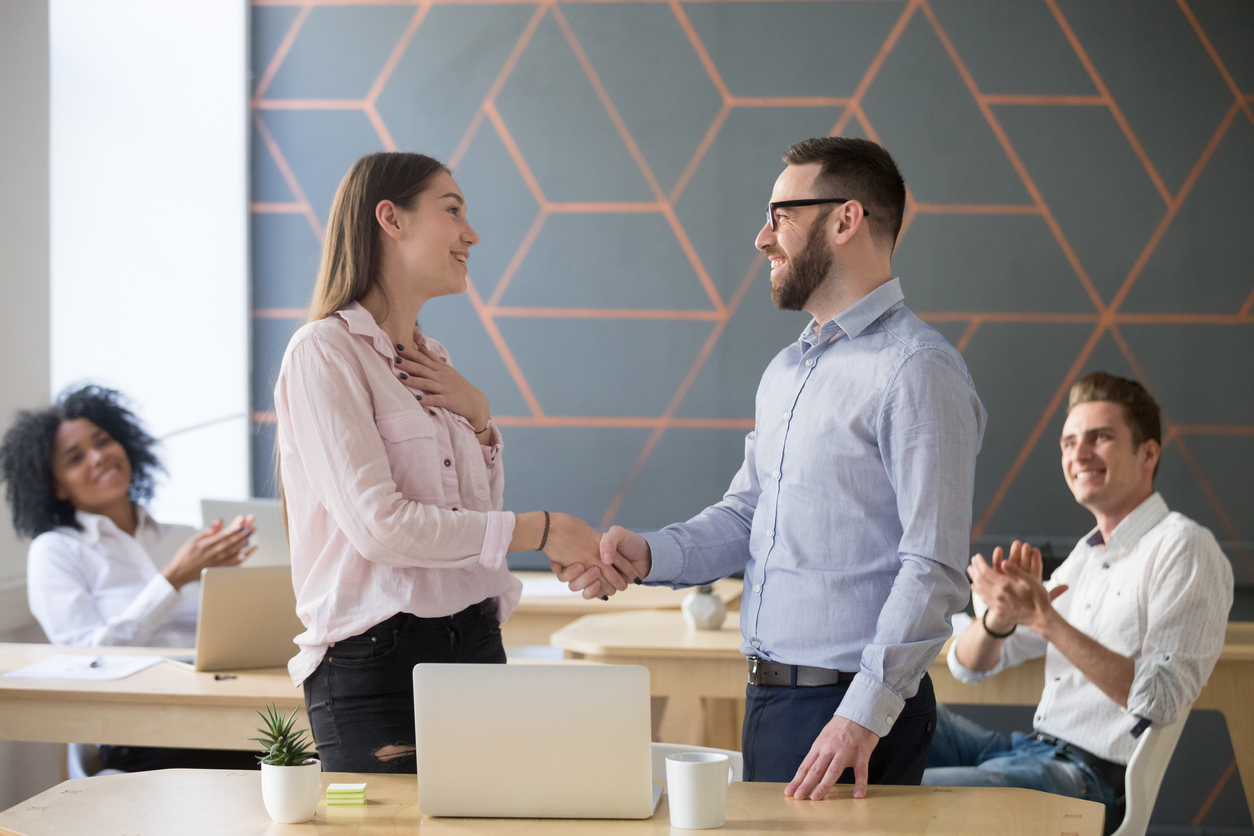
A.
pixel 291 793
pixel 703 610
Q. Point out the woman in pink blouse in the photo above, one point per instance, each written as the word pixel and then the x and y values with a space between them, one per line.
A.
pixel 391 471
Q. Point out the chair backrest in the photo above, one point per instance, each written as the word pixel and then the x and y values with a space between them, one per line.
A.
pixel 661 750
pixel 1145 774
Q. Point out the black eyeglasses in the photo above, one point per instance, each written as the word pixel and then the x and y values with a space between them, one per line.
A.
pixel 771 207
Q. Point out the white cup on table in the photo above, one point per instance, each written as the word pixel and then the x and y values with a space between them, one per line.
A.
pixel 696 785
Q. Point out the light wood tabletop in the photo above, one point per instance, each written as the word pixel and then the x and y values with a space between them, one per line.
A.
pixel 165 705
pixel 708 664
pixel 537 618
pixel 188 802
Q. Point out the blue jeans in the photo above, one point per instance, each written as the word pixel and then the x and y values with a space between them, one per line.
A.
pixel 965 754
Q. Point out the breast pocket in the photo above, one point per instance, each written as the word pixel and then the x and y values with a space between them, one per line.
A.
pixel 413 453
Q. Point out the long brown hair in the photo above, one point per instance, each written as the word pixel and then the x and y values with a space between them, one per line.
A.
pixel 350 253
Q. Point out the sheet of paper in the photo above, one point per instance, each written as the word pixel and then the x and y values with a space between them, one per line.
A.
pixel 80 667
pixel 546 588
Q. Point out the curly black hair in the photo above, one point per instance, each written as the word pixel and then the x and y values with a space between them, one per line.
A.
pixel 26 456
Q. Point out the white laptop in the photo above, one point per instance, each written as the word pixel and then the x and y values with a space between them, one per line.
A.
pixel 270 537
pixel 247 619
pixel 534 741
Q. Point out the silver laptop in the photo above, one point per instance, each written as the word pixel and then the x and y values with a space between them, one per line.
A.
pixel 534 741
pixel 247 619
pixel 270 538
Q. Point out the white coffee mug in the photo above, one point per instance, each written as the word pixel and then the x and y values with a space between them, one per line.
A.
pixel 696 785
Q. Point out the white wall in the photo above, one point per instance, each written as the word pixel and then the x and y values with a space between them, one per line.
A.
pixel 149 257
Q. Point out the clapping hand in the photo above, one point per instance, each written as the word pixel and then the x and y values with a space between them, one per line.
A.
pixel 1012 586
pixel 215 546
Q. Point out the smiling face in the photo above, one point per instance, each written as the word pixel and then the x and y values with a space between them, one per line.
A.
pixel 1106 472
pixel 800 255
pixel 89 467
pixel 435 238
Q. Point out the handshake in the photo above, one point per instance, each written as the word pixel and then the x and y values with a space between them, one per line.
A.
pixel 598 565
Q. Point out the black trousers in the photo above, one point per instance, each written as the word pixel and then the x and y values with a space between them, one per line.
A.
pixel 781 724
pixel 360 699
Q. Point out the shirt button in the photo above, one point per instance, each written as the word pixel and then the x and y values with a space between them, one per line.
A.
pixel 889 719
pixel 448 462
pixel 810 362
pixel 756 643
pixel 774 474
pixel 787 415
pixel 1105 565
pixel 770 532
pixel 757 587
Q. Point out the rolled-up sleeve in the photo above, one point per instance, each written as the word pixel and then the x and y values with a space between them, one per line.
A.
pixel 1190 595
pixel 327 428
pixel 931 425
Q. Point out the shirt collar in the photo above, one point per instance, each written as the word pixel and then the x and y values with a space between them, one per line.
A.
pixel 361 322
pixel 1134 526
pixel 95 525
pixel 859 316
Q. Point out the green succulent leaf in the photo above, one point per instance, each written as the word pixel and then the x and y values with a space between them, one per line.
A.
pixel 281 744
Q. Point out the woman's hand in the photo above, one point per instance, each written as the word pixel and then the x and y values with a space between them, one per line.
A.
pixel 439 384
pixel 215 546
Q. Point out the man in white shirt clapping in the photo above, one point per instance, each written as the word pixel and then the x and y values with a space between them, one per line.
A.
pixel 1130 625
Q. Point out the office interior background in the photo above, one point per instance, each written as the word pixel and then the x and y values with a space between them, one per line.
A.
pixel 1081 194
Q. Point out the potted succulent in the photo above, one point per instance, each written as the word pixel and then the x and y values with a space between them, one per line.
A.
pixel 291 774
pixel 703 609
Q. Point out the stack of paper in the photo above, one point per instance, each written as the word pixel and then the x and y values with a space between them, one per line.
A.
pixel 346 795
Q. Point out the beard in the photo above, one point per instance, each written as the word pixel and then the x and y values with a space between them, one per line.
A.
pixel 805 272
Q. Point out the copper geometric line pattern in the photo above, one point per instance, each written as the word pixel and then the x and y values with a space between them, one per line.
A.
pixel 1105 318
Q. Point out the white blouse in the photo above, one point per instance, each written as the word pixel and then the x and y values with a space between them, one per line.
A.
pixel 101 586
pixel 1159 592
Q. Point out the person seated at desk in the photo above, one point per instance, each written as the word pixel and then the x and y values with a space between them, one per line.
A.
pixel 1130 625
pixel 100 570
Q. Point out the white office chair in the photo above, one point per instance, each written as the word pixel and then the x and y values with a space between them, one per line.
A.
pixel 82 760
pixel 1145 775
pixel 661 750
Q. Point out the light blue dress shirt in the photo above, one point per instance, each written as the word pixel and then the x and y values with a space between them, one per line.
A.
pixel 851 514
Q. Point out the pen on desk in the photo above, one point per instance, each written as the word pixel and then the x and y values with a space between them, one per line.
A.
pixel 97 662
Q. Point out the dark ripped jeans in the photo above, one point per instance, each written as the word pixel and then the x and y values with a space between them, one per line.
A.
pixel 361 697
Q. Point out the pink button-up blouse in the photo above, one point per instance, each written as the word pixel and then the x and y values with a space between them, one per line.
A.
pixel 391 506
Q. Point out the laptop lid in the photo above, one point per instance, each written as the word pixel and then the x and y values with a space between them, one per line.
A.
pixel 533 741
pixel 247 618
pixel 270 538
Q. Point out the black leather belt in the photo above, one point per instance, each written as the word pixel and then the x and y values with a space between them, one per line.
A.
pixel 1109 771
pixel 764 672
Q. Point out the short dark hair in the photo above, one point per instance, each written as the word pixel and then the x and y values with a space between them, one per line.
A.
pixel 1140 409
pixel 26 457
pixel 860 170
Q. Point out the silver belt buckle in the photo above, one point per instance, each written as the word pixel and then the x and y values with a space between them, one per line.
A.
pixel 753 670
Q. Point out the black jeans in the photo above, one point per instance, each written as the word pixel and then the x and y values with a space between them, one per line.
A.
pixel 781 724
pixel 361 697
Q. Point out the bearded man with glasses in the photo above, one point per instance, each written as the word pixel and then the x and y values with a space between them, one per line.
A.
pixel 851 514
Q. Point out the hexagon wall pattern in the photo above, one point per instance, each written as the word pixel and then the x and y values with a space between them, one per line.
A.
pixel 1081 180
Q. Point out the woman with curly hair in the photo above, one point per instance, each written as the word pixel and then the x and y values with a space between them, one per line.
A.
pixel 100 570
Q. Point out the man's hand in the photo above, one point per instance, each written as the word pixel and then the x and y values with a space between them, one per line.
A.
pixel 574 543
pixel 1012 587
pixel 624 551
pixel 842 744
pixel 215 546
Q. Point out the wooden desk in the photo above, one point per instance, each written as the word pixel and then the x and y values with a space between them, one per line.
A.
pixel 187 802
pixel 536 619
pixel 708 664
pixel 165 705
